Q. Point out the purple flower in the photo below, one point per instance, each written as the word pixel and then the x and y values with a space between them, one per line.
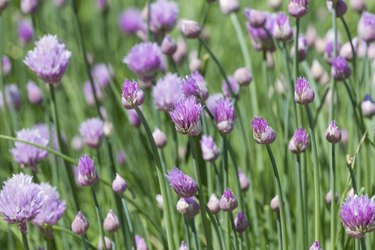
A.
pixel 28 155
pixel 316 246
pixel 358 5
pixel 6 65
pixel 102 74
pixel 224 115
pixel 213 204
pixel 186 116
pixel 163 16
pixel 119 184
pixel 140 243
pixel 34 93
pixel 160 138
pixel 366 27
pixel 182 184
pixel 368 106
pixel 228 201
pixel 25 31
pixel 20 200
pixel 281 29
pixel 133 118
pixel 262 132
pixel 340 7
pixel 209 149
pixel 243 76
pixel 233 85
pixel 275 204
pixel 80 225
pixel 167 92
pixel 145 60
pixel 333 133
pixel 261 38
pixel 111 222
pixel 329 48
pixel 89 93
pixel 229 6
pixel 183 246
pixel 241 223
pixel 29 6
pixel 168 45
pixel 87 175
pixel 358 216
pixel 53 208
pixel 299 141
pixel 12 96
pixel 130 21
pixel 49 59
pixel 188 207
pixel 340 69
pixel 255 17
pixel 190 29
pixel 195 85
pixel 303 93
pixel 244 181
pixel 298 8
pixel 3 5
pixel 92 132
pixel 132 96
pixel 302 48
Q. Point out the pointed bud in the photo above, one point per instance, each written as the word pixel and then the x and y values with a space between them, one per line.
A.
pixel 34 94
pixel 183 246
pixel 132 95
pixel 80 225
pixel 119 184
pixel 299 141
pixel 275 4
pixel 316 246
pixel 228 201
pixel 244 181
pixel 188 207
pixel 111 222
pixel 333 133
pixel 262 132
pixel 182 184
pixel 317 70
pixel 87 175
pixel 302 48
pixel 241 223
pixel 255 17
pixel 358 5
pixel 229 6
pixel 275 204
pixel 298 8
pixel 213 204
pixel 190 29
pixel 159 200
pixel 329 197
pixel 168 45
pixel 303 93
pixel 282 30
pixel 140 243
pixel 340 69
pixel 340 7
pixel 160 138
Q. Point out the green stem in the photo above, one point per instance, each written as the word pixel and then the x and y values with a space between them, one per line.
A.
pixel 279 234
pixel 354 59
pixel 296 72
pixel 186 222
pixel 202 202
pixel 316 174
pixel 281 198
pixel 363 244
pixel 98 216
pixel 128 220
pixel 234 229
pixel 25 242
pixel 301 204
pixel 195 236
pixel 75 236
pixel 225 156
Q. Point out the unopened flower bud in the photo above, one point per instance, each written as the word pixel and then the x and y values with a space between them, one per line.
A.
pixel 241 223
pixel 119 184
pixel 329 197
pixel 168 45
pixel 368 106
pixel 190 29
pixel 80 225
pixel 275 204
pixel 229 6
pixel 228 201
pixel 213 204
pixel 160 138
pixel 243 76
pixel 333 133
pixel 188 207
pixel 111 222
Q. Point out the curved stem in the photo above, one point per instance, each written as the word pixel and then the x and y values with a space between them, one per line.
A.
pixel 98 216
pixel 354 60
pixel 129 221
pixel 281 198
pixel 225 156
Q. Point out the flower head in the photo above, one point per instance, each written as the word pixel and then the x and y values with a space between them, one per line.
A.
pixel 26 154
pixel 145 60
pixel 80 225
pixel 333 133
pixel 132 95
pixel 102 74
pixel 213 204
pixel 228 201
pixel 12 96
pixel 163 16
pixel 111 222
pixel 140 243
pixel 316 246
pixel 49 59
pixel 160 138
pixel 53 208
pixel 255 17
pixel 87 175
pixel 188 207
pixel 20 200
pixel 340 69
pixel 358 5
pixel 167 92
pixel 368 106
pixel 92 132
pixel 244 181
pixel 299 142
pixel 168 45
pixel 209 149
pixel 241 223
pixel 29 6
pixel 366 27
pixel 229 6
pixel 298 8
pixel 186 116
pixel 282 29
pixel 275 204
pixel 303 93
pixel 119 184
pixel 195 85
pixel 340 7
pixel 243 76
pixel 302 48
pixel 190 29
pixel 224 115
pixel 233 87
pixel 25 31
pixel 260 36
pixel 34 93
pixel 130 21
pixel 181 183
pixel 262 132
pixel 358 216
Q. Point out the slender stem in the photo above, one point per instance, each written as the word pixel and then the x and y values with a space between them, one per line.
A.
pixel 203 22
pixel 363 244
pixel 149 34
pixel 25 242
pixel 354 59
pixel 301 204
pixel 296 71
pixel 98 216
pixel 352 177
pixel 316 174
pixel 202 202
pixel 216 227
pixel 281 197
pixel 225 156
pixel 279 234
pixel 186 222
pixel 234 229
pixel 129 221
pixel 195 236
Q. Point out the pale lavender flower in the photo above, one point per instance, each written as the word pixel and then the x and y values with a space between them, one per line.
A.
pixel 80 224
pixel 275 204
pixel 329 48
pixel 316 246
pixel 190 29
pixel 130 21
pixel 132 96
pixel 160 138
pixel 89 93
pixel 133 118
pixel 233 85
pixel 282 30
pixel 358 216
pixel 25 31
pixel 121 157
pixel 368 106
pixel 195 85
pixel 102 4
pixel 229 6
pixel 107 243
pixel 224 115
pixel 145 60
pixel 255 17
pixel 92 132
pixel 302 48
pixel 102 74
pixel 29 6
pixel 243 76
pixel 244 181
pixel 340 69
pixel 341 7
pixel 119 184
pixel 168 45
pixel 303 93
pixel 188 207
pixel 299 142
pixel 6 65
pixel 49 59
pixel 358 5
pixel 182 184
pixel 186 116
pixel 262 132
pixel 298 8
pixel 228 201
pixel 180 53
pixel 366 27
pixel 111 222
pixel 77 143
pixel 27 155
pixel 20 200
pixel 329 197
pixel 241 223
pixel 140 243
pixel 261 38
pixel 333 133
pixel 53 208
pixel 183 246
pixel 12 96
pixel 209 149
pixel 3 5
pixel 275 4
pixel 34 93
pixel 213 204
pixel 167 92
pixel 163 16
pixel 87 175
